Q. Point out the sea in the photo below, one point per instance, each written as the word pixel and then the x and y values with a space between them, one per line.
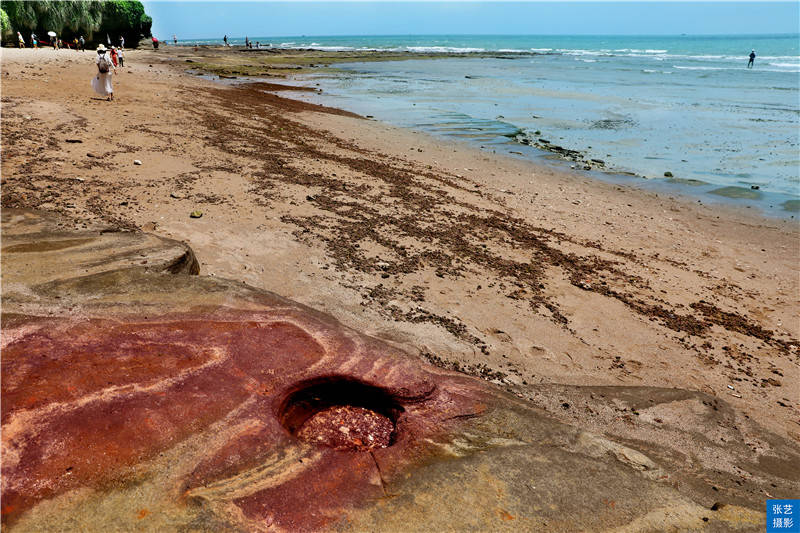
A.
pixel 681 114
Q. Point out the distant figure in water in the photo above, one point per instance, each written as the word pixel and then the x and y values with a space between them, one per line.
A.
pixel 175 39
pixel 752 58
pixel 225 39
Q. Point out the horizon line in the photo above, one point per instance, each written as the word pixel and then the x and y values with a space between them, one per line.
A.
pixel 514 35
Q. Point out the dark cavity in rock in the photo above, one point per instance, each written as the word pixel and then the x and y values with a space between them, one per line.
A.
pixel 341 413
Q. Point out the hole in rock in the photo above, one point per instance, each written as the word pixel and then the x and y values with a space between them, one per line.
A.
pixel 341 413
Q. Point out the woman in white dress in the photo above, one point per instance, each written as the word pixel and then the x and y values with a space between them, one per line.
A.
pixel 102 82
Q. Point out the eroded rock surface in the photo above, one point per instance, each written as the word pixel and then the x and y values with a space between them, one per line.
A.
pixel 138 397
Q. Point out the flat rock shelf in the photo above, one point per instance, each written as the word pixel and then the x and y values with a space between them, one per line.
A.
pixel 138 396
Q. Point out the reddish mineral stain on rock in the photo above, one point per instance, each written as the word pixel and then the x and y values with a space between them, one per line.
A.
pixel 347 428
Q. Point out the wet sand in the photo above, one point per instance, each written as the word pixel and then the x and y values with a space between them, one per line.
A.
pixel 520 274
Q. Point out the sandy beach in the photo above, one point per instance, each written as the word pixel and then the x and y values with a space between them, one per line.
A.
pixel 520 274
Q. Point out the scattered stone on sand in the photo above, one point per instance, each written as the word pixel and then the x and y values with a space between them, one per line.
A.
pixel 196 214
pixel 137 162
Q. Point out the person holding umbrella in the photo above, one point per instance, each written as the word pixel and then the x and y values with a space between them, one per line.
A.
pixel 53 40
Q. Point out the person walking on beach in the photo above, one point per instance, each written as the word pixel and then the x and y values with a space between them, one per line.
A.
pixel 174 39
pixel 102 82
pixel 225 39
pixel 121 41
pixel 121 57
pixel 82 43
pixel 113 54
pixel 752 58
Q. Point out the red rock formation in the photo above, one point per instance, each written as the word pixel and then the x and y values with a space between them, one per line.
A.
pixel 139 397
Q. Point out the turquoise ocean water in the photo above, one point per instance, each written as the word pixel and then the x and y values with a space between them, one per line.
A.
pixel 645 105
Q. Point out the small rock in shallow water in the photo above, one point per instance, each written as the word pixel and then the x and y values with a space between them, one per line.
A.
pixel 667 174
pixel 755 187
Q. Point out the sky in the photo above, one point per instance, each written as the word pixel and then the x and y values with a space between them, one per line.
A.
pixel 209 19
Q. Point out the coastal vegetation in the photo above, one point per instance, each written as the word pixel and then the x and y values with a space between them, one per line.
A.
pixel 94 19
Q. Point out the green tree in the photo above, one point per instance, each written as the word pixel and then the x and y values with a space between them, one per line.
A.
pixel 126 19
pixel 5 24
pixel 91 18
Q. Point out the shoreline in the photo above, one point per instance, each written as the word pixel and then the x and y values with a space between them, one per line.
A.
pixel 558 159
pixel 477 259
pixel 516 136
pixel 568 161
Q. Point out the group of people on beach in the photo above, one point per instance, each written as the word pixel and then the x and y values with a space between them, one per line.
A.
pixel 107 63
pixel 248 43
pixel 79 43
